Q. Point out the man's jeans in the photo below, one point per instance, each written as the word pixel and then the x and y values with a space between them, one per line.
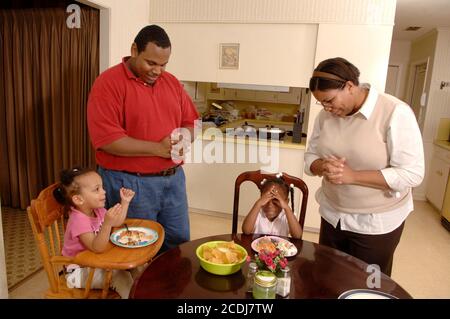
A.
pixel 159 198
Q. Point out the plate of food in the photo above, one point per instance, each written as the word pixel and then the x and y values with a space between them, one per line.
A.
pixel 271 243
pixel 134 237
pixel 365 294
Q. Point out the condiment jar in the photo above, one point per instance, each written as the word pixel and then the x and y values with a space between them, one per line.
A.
pixel 265 285
pixel 284 282
pixel 252 269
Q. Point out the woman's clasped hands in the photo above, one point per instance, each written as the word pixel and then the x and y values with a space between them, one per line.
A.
pixel 336 171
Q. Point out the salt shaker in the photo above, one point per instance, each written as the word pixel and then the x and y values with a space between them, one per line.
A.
pixel 252 269
pixel 284 282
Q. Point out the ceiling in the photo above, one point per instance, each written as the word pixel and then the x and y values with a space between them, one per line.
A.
pixel 428 14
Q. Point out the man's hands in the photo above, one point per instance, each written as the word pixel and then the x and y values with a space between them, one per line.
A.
pixel 174 146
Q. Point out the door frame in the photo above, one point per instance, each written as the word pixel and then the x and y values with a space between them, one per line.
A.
pixel 412 67
pixel 410 85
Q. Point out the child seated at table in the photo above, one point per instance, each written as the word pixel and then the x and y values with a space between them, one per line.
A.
pixel 271 214
pixel 89 225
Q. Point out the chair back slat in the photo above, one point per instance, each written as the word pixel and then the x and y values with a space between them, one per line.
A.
pixel 58 235
pixel 257 177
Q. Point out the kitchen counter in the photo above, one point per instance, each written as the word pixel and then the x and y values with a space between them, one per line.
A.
pixel 285 143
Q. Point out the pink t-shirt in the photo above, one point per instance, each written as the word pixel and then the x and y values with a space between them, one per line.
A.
pixel 79 223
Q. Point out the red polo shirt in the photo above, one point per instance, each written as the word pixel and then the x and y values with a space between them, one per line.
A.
pixel 121 105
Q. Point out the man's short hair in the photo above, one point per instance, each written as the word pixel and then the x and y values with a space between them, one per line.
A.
pixel 154 34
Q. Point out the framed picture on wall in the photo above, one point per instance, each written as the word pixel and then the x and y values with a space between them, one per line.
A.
pixel 229 56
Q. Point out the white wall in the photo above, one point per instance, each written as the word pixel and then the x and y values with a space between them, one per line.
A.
pixel 400 52
pixel 126 18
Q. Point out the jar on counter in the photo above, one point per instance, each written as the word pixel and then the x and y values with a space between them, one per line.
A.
pixel 252 270
pixel 284 282
pixel 265 285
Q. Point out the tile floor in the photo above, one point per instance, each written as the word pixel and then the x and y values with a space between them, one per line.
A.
pixel 421 262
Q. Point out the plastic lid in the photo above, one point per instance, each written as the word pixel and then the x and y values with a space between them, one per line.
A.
pixel 265 278
pixel 285 269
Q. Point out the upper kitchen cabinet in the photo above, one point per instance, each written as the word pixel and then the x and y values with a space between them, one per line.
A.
pixel 270 54
pixel 293 96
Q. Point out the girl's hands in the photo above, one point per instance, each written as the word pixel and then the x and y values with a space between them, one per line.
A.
pixel 114 215
pixel 266 196
pixel 126 195
pixel 283 202
pixel 271 194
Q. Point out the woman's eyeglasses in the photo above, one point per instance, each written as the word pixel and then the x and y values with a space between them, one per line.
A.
pixel 329 102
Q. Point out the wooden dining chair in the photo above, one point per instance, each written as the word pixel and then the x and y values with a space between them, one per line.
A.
pixel 48 222
pixel 257 177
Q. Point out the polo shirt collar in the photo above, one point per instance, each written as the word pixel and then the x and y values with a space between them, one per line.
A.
pixel 369 104
pixel 131 75
pixel 128 72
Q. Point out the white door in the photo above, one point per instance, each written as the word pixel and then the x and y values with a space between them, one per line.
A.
pixel 417 91
pixel 392 80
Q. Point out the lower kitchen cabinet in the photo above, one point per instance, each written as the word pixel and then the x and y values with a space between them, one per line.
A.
pixel 438 177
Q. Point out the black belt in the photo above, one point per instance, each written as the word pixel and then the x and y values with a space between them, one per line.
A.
pixel 167 172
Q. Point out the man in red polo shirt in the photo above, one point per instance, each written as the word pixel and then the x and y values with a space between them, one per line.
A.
pixel 133 109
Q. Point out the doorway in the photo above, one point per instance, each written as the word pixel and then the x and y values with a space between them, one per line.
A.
pixel 417 97
pixel 392 80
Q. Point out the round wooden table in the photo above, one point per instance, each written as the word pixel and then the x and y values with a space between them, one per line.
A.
pixel 317 272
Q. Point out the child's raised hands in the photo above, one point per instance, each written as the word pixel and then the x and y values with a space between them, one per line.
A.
pixel 113 216
pixel 283 201
pixel 126 194
pixel 266 196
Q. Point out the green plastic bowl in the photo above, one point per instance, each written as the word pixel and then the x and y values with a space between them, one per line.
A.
pixel 219 269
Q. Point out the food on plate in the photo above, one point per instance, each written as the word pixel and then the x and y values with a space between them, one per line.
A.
pixel 287 247
pixel 133 237
pixel 271 243
pixel 265 243
pixel 223 253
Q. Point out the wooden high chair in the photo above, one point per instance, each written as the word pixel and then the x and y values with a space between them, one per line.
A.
pixel 256 177
pixel 47 220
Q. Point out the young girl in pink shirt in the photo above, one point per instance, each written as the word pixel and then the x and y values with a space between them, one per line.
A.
pixel 89 226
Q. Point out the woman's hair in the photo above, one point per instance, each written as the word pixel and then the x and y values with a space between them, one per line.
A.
pixel 333 74
pixel 152 33
pixel 281 182
pixel 68 186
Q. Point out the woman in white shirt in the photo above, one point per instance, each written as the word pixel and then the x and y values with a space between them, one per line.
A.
pixel 271 214
pixel 368 148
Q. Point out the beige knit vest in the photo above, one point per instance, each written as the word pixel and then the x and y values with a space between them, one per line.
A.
pixel 363 143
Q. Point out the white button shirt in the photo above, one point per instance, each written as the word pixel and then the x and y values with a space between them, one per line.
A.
pixel 406 170
pixel 278 227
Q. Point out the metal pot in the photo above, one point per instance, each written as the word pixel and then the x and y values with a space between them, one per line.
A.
pixel 269 132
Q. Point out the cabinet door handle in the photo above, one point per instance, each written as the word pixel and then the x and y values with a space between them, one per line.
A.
pixel 439 173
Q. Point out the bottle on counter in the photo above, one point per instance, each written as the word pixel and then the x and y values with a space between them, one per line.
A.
pixel 284 282
pixel 252 269
pixel 265 285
